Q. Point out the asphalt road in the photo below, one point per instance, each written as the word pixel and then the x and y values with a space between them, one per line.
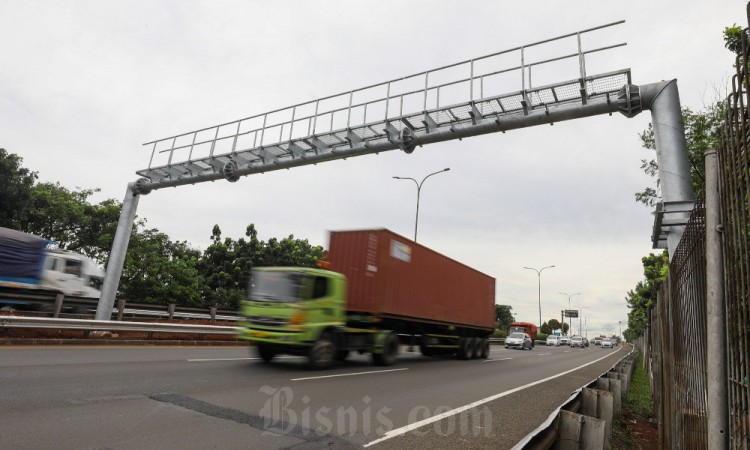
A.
pixel 179 397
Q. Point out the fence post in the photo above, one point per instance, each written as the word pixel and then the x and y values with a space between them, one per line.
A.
pixel 716 360
pixel 170 310
pixel 212 312
pixel 58 305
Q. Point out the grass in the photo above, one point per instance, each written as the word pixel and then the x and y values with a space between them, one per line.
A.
pixel 637 406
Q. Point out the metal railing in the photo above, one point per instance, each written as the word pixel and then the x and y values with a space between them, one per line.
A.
pixel 498 83
pixel 106 325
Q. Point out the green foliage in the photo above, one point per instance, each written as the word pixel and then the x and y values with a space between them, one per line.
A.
pixel 503 317
pixel 541 336
pixel 16 183
pixel 546 329
pixel 554 324
pixel 160 271
pixel 641 299
pixel 500 333
pixel 565 328
pixel 733 39
pixel 702 131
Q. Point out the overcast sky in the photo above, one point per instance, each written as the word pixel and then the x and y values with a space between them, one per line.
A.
pixel 85 83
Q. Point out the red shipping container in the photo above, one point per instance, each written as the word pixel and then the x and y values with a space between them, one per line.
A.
pixel 391 276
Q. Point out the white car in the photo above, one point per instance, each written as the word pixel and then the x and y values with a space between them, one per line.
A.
pixel 607 342
pixel 519 340
pixel 564 340
pixel 553 340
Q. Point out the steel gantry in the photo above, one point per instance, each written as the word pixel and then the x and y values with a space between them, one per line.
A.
pixel 469 98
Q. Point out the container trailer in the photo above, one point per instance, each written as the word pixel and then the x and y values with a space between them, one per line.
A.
pixel 378 290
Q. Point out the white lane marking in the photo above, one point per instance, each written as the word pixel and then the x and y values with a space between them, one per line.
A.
pixel 542 354
pixel 235 359
pixel 499 359
pixel 348 374
pixel 403 430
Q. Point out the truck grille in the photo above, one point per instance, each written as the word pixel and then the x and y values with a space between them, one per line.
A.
pixel 264 321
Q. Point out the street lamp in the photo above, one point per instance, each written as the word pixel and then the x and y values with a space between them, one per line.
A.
pixel 539 277
pixel 569 295
pixel 419 189
pixel 620 323
pixel 581 308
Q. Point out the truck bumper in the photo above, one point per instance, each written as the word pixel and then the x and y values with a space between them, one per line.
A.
pixel 274 337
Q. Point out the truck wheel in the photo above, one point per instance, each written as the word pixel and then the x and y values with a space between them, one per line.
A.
pixel 390 351
pixel 341 355
pixel 426 351
pixel 477 347
pixel 265 352
pixel 464 348
pixel 484 352
pixel 320 355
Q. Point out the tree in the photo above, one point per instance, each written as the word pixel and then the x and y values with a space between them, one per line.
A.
pixel 641 299
pixel 160 271
pixel 16 183
pixel 554 324
pixel 545 328
pixel 503 317
pixel 565 328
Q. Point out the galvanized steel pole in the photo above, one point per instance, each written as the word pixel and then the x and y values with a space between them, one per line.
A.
pixel 419 190
pixel 716 357
pixel 117 255
pixel 539 278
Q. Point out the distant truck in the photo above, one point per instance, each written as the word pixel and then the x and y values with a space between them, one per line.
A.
pixel 28 266
pixel 524 327
pixel 379 291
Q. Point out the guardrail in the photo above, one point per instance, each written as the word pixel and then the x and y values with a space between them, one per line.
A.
pixel 106 325
pixel 585 420
pixel 49 303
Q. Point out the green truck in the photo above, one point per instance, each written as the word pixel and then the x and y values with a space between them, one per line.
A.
pixel 379 291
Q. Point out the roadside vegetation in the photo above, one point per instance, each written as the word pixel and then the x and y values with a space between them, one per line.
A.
pixel 635 429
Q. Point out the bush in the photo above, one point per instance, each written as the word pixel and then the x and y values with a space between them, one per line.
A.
pixel 541 337
pixel 500 333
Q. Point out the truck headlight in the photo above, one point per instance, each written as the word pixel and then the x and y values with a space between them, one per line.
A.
pixel 298 318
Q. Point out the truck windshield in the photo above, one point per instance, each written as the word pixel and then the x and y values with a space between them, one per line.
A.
pixel 279 287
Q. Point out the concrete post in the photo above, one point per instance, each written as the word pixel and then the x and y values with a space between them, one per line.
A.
pixel 212 312
pixel 117 255
pixel 120 309
pixel 58 305
pixel 716 357
pixel 170 310
pixel 579 432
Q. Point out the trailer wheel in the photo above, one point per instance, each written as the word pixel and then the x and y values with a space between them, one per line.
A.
pixel 265 352
pixel 464 348
pixel 390 351
pixel 477 347
pixel 320 355
pixel 484 348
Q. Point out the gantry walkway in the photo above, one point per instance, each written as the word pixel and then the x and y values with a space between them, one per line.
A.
pixel 482 95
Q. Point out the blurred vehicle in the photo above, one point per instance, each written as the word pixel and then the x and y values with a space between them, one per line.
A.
pixel 519 340
pixel 597 341
pixel 524 327
pixel 564 340
pixel 576 341
pixel 553 340
pixel 607 343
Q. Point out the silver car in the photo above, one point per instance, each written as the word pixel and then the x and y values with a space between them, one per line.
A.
pixel 564 340
pixel 553 340
pixel 607 343
pixel 576 341
pixel 519 340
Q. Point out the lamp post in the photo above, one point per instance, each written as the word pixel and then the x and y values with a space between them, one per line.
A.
pixel 569 295
pixel 581 308
pixel 539 277
pixel 419 189
pixel 620 323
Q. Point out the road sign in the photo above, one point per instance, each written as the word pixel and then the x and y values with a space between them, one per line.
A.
pixel 571 313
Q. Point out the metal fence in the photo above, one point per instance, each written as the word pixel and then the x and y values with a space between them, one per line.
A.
pixel 679 338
